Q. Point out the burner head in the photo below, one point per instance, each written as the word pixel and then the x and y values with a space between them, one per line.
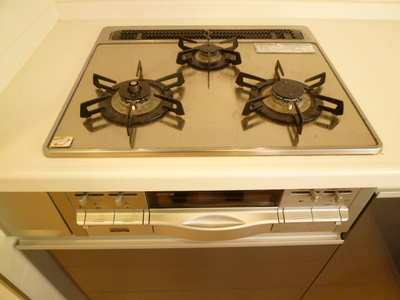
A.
pixel 282 96
pixel 208 56
pixel 136 92
pixel 138 98
pixel 288 90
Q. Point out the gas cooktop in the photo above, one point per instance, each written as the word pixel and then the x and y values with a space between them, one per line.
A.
pixel 209 91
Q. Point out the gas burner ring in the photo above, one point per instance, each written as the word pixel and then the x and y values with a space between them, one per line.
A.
pixel 137 107
pixel 134 102
pixel 143 109
pixel 288 91
pixel 285 100
pixel 209 54
pixel 133 95
pixel 135 90
pixel 287 106
pixel 282 112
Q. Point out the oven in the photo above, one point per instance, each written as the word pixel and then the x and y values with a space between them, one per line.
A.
pixel 210 91
pixel 128 242
pixel 184 219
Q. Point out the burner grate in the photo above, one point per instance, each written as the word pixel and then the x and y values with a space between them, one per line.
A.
pixel 172 34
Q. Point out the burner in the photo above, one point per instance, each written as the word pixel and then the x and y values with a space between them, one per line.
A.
pixel 288 90
pixel 138 101
pixel 285 100
pixel 135 102
pixel 208 56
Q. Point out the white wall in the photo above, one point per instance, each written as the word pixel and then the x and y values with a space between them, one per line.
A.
pixel 35 274
pixel 23 25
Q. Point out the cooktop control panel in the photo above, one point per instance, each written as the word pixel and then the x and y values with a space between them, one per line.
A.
pixel 278 206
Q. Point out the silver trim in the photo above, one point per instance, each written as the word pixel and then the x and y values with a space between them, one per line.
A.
pixel 151 242
pixel 275 151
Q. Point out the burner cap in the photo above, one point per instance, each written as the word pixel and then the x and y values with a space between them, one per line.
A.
pixel 135 91
pixel 209 48
pixel 209 54
pixel 288 90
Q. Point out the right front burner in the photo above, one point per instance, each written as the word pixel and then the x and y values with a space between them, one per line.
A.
pixel 287 101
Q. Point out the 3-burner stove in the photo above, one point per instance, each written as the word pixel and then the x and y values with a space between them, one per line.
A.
pixel 230 91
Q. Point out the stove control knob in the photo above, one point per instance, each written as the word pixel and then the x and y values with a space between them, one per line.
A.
pixel 314 196
pixel 119 201
pixel 83 201
pixel 338 197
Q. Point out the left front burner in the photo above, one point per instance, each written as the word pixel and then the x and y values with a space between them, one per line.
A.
pixel 145 106
pixel 135 102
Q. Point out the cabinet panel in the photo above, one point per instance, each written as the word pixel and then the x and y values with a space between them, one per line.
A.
pixel 363 267
pixel 204 273
pixel 31 214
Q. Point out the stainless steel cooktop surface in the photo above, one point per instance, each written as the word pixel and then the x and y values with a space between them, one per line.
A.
pixel 148 91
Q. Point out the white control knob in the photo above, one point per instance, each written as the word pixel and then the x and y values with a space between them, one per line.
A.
pixel 119 201
pixel 83 201
pixel 338 197
pixel 314 196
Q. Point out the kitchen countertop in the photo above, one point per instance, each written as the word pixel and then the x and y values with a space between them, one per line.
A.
pixel 364 52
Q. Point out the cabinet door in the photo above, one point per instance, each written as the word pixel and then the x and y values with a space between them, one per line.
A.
pixel 364 267
pixel 31 214
pixel 196 273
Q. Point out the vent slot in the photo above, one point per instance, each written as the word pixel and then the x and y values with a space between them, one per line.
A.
pixel 119 230
pixel 166 34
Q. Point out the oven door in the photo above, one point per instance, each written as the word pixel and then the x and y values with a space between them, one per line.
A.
pixel 213 224
pixel 213 215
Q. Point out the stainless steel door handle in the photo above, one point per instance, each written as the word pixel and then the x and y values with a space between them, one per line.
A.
pixel 214 221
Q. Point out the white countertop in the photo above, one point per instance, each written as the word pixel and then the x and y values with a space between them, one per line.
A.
pixel 364 52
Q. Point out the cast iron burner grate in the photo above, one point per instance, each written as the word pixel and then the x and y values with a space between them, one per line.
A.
pixel 208 56
pixel 136 102
pixel 287 101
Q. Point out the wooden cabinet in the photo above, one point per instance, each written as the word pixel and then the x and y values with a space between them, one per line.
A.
pixel 196 273
pixel 30 214
pixel 364 267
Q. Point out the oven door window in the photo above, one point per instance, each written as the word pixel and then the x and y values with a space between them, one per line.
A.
pixel 204 199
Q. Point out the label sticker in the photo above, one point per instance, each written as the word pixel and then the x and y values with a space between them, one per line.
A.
pixel 284 48
pixel 61 142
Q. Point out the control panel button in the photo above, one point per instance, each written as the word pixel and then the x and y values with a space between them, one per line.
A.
pixel 338 197
pixel 99 218
pixel 80 217
pixel 326 214
pixel 344 213
pixel 119 201
pixel 297 214
pixel 314 196
pixel 129 218
pixel 83 200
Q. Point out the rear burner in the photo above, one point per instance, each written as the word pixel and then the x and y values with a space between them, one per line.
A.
pixel 287 101
pixel 208 56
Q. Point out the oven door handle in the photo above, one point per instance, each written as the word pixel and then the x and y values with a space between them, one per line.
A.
pixel 214 221
pixel 213 224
